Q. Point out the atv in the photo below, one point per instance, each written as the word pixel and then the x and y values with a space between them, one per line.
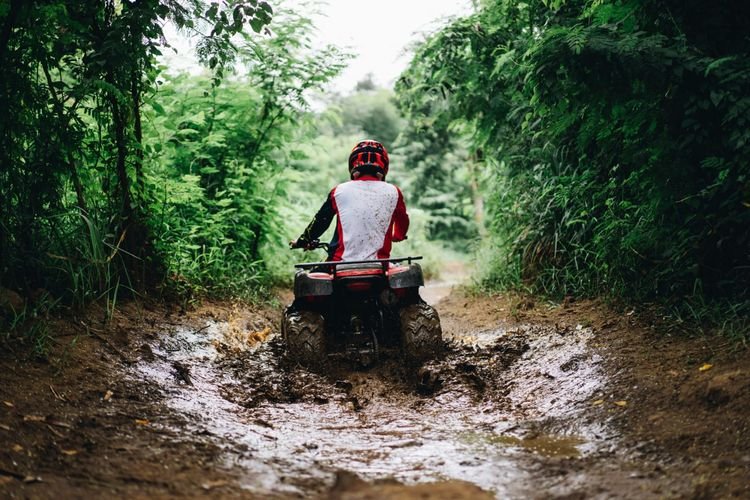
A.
pixel 358 309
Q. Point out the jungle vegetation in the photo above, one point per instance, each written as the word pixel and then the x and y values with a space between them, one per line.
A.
pixel 614 136
pixel 117 176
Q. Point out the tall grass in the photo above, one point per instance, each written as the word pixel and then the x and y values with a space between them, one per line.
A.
pixel 97 269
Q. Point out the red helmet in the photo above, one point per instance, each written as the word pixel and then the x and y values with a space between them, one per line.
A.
pixel 369 153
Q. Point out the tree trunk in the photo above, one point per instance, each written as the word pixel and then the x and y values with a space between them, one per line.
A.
pixel 476 194
pixel 121 166
pixel 138 132
pixel 60 108
pixel 78 186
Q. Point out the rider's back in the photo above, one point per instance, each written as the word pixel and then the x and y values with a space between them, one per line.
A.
pixel 366 209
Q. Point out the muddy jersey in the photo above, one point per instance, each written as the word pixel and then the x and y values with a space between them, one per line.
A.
pixel 371 214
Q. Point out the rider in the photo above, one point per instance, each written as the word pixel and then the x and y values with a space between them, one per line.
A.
pixel 370 212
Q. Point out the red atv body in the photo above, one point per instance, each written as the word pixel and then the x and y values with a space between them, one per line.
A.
pixel 357 309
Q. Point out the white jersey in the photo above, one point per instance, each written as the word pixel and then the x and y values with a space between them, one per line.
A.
pixel 365 210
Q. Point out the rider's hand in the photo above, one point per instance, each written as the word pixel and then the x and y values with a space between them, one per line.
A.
pixel 306 245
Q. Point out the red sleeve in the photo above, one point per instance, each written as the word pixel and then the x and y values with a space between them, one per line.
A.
pixel 400 219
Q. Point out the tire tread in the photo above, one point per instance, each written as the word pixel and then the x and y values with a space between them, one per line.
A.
pixel 421 334
pixel 304 335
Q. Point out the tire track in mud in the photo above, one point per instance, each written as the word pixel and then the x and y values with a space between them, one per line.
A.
pixel 502 408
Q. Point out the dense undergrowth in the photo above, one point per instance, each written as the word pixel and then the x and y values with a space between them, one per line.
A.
pixel 82 208
pixel 614 136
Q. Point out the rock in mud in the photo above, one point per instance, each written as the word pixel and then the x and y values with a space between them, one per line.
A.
pixel 350 487
pixel 428 381
pixel 182 372
pixel 725 387
pixel 146 353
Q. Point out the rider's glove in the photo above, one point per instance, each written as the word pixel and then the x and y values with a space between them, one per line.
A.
pixel 302 243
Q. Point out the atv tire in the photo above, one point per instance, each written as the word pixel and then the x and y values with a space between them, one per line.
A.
pixel 304 335
pixel 421 335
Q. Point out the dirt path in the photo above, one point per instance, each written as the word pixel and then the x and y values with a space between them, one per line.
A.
pixel 452 275
pixel 529 401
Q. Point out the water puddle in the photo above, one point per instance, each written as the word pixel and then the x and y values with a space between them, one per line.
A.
pixel 545 446
pixel 472 416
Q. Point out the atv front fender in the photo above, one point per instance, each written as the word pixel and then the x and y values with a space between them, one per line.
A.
pixel 312 284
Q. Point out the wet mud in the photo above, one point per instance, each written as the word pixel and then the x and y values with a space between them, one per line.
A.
pixel 528 400
pixel 497 405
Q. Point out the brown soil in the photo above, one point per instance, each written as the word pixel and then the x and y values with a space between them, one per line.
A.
pixel 530 400
pixel 680 404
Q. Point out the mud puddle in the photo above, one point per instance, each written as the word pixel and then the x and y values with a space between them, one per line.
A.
pixel 497 405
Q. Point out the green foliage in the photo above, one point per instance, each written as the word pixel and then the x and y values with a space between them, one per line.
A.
pixel 370 112
pixel 73 199
pixel 616 136
pixel 217 158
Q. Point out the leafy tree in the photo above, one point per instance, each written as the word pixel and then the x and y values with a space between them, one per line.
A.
pixel 75 75
pixel 369 112
pixel 616 136
pixel 367 84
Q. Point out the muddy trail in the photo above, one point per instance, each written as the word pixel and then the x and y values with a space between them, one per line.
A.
pixel 527 401
pixel 462 417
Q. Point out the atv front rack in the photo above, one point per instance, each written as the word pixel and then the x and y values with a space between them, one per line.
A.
pixel 334 264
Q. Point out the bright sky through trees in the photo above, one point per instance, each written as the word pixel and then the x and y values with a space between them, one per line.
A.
pixel 378 33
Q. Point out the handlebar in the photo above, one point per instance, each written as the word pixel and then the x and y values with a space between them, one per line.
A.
pixel 312 245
